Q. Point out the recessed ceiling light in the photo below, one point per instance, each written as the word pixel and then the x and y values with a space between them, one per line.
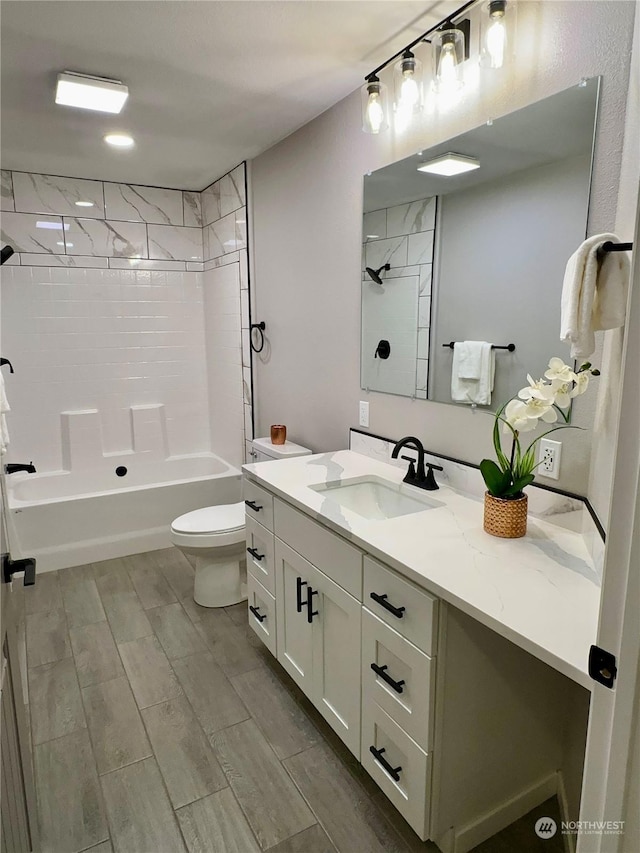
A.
pixel 450 164
pixel 119 140
pixel 90 93
pixel 84 204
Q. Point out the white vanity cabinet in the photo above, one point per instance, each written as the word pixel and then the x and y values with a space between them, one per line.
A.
pixel 461 729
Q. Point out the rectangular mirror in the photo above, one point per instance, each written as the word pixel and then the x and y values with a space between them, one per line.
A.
pixel 479 255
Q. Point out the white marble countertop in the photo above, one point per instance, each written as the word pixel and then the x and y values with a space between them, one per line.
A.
pixel 540 592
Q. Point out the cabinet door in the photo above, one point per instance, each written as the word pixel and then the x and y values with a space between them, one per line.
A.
pixel 294 632
pixel 336 657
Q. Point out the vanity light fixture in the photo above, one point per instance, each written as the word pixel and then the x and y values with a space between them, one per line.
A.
pixel 494 37
pixel 90 93
pixel 119 140
pixel 450 164
pixel 408 83
pixel 374 105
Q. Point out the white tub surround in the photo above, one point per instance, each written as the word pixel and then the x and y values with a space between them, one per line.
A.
pixel 541 592
pixel 68 518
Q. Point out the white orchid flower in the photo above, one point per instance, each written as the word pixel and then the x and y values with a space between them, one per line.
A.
pixel 542 409
pixel 582 383
pixel 563 393
pixel 538 390
pixel 559 371
pixel 515 415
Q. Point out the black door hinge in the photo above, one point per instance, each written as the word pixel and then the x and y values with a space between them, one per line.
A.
pixel 602 666
pixel 11 567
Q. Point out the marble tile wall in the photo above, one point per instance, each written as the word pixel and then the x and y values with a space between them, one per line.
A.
pixel 403 236
pixel 112 296
pixel 63 220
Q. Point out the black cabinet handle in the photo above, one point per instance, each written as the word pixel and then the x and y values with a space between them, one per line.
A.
pixel 299 602
pixel 310 611
pixel 259 616
pixel 382 601
pixel 394 772
pixel 254 553
pixel 382 672
pixel 254 506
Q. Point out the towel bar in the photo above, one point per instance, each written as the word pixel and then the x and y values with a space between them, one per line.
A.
pixel 510 347
pixel 614 247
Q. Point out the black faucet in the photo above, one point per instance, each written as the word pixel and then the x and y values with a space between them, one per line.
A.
pixel 417 477
pixel 14 467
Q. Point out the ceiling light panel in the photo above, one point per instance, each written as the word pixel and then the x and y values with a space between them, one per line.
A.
pixel 90 93
pixel 448 165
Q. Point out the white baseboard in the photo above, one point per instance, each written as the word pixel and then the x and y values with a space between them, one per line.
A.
pixel 469 836
pixel 569 838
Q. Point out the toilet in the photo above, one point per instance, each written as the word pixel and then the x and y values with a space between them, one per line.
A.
pixel 215 536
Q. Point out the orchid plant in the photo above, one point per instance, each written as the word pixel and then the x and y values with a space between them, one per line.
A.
pixel 546 400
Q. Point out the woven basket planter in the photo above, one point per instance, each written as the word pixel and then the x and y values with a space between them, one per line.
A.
pixel 507 519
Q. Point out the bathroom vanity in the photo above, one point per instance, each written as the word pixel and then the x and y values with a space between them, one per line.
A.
pixel 453 665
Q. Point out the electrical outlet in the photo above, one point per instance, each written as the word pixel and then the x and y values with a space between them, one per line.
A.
pixel 364 413
pixel 549 458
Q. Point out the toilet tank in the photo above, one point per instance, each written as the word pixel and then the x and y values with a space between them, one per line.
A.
pixel 263 451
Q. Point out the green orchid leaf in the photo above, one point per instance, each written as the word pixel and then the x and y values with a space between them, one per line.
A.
pixel 497 481
pixel 518 485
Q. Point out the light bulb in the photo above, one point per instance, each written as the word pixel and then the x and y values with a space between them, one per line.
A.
pixel 496 42
pixel 409 91
pixel 375 113
pixel 447 68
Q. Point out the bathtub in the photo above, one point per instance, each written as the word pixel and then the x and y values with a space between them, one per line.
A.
pixel 65 518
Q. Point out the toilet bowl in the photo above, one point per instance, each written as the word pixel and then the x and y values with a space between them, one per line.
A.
pixel 215 536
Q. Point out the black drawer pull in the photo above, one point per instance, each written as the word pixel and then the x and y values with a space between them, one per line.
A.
pixel 394 772
pixel 310 611
pixel 254 553
pixel 382 672
pixel 382 601
pixel 254 506
pixel 299 602
pixel 259 616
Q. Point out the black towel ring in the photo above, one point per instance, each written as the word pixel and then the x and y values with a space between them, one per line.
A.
pixel 260 327
pixel 4 361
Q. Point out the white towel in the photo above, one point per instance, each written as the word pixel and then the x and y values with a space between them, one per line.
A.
pixel 469 358
pixel 473 391
pixel 4 407
pixel 594 294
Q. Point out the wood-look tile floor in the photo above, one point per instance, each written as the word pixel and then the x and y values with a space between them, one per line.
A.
pixel 159 726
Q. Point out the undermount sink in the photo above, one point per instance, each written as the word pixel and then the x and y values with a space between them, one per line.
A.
pixel 376 498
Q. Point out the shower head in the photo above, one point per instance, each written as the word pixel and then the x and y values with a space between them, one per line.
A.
pixel 5 254
pixel 375 274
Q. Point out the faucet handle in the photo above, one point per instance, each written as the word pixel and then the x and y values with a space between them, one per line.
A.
pixel 410 476
pixel 430 480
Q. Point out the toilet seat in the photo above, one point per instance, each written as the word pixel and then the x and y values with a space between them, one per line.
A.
pixel 210 527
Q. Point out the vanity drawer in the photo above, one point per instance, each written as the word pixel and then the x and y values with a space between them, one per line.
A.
pixel 328 552
pixel 258 503
pixel 400 768
pixel 262 618
pixel 410 611
pixel 402 683
pixel 260 554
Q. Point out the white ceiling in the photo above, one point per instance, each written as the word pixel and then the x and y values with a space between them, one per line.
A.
pixel 212 82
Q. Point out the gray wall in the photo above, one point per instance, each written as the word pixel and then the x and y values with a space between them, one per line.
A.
pixel 502 250
pixel 307 219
